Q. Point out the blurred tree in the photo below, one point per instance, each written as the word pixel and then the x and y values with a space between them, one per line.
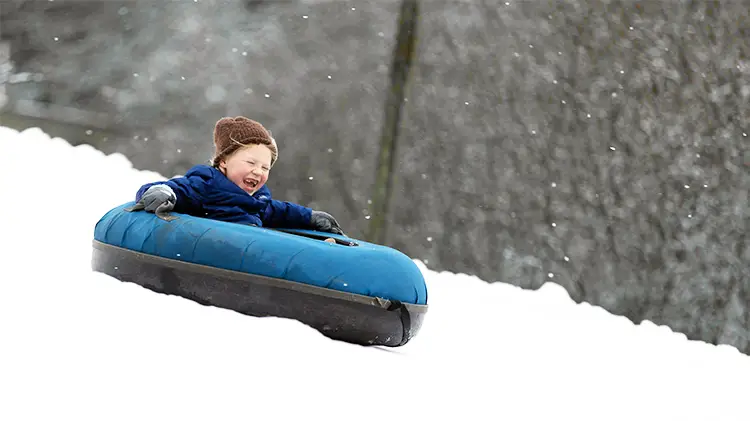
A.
pixel 403 53
pixel 601 145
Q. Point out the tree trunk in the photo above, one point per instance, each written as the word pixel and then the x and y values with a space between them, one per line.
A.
pixel 403 52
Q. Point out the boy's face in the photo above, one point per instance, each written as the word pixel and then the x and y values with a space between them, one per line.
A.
pixel 248 167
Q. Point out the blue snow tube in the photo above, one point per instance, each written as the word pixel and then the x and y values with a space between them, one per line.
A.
pixel 271 260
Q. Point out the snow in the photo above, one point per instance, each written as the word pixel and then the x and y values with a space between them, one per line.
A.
pixel 80 345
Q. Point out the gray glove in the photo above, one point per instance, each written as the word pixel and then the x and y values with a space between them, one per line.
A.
pixel 158 199
pixel 322 221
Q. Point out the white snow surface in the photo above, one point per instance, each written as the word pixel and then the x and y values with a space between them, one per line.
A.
pixel 80 345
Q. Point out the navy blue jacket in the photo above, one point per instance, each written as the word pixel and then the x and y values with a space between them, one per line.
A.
pixel 206 192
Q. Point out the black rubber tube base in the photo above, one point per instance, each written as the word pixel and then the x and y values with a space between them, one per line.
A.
pixel 338 315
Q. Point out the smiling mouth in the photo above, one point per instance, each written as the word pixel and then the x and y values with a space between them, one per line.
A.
pixel 251 183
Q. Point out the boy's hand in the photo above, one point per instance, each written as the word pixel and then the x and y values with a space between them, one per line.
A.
pixel 159 197
pixel 322 221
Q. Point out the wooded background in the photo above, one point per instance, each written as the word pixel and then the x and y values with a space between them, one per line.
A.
pixel 601 145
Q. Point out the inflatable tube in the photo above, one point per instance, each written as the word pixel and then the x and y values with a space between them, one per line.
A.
pixel 349 290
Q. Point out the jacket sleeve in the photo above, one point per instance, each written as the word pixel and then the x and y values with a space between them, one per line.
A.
pixel 278 214
pixel 188 198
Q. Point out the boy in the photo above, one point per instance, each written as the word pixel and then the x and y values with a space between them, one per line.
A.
pixel 233 188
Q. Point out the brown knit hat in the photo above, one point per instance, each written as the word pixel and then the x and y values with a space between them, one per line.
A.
pixel 232 133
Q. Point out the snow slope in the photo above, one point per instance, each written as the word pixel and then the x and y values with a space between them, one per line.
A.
pixel 81 345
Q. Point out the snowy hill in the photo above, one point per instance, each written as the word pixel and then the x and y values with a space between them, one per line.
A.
pixel 81 345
